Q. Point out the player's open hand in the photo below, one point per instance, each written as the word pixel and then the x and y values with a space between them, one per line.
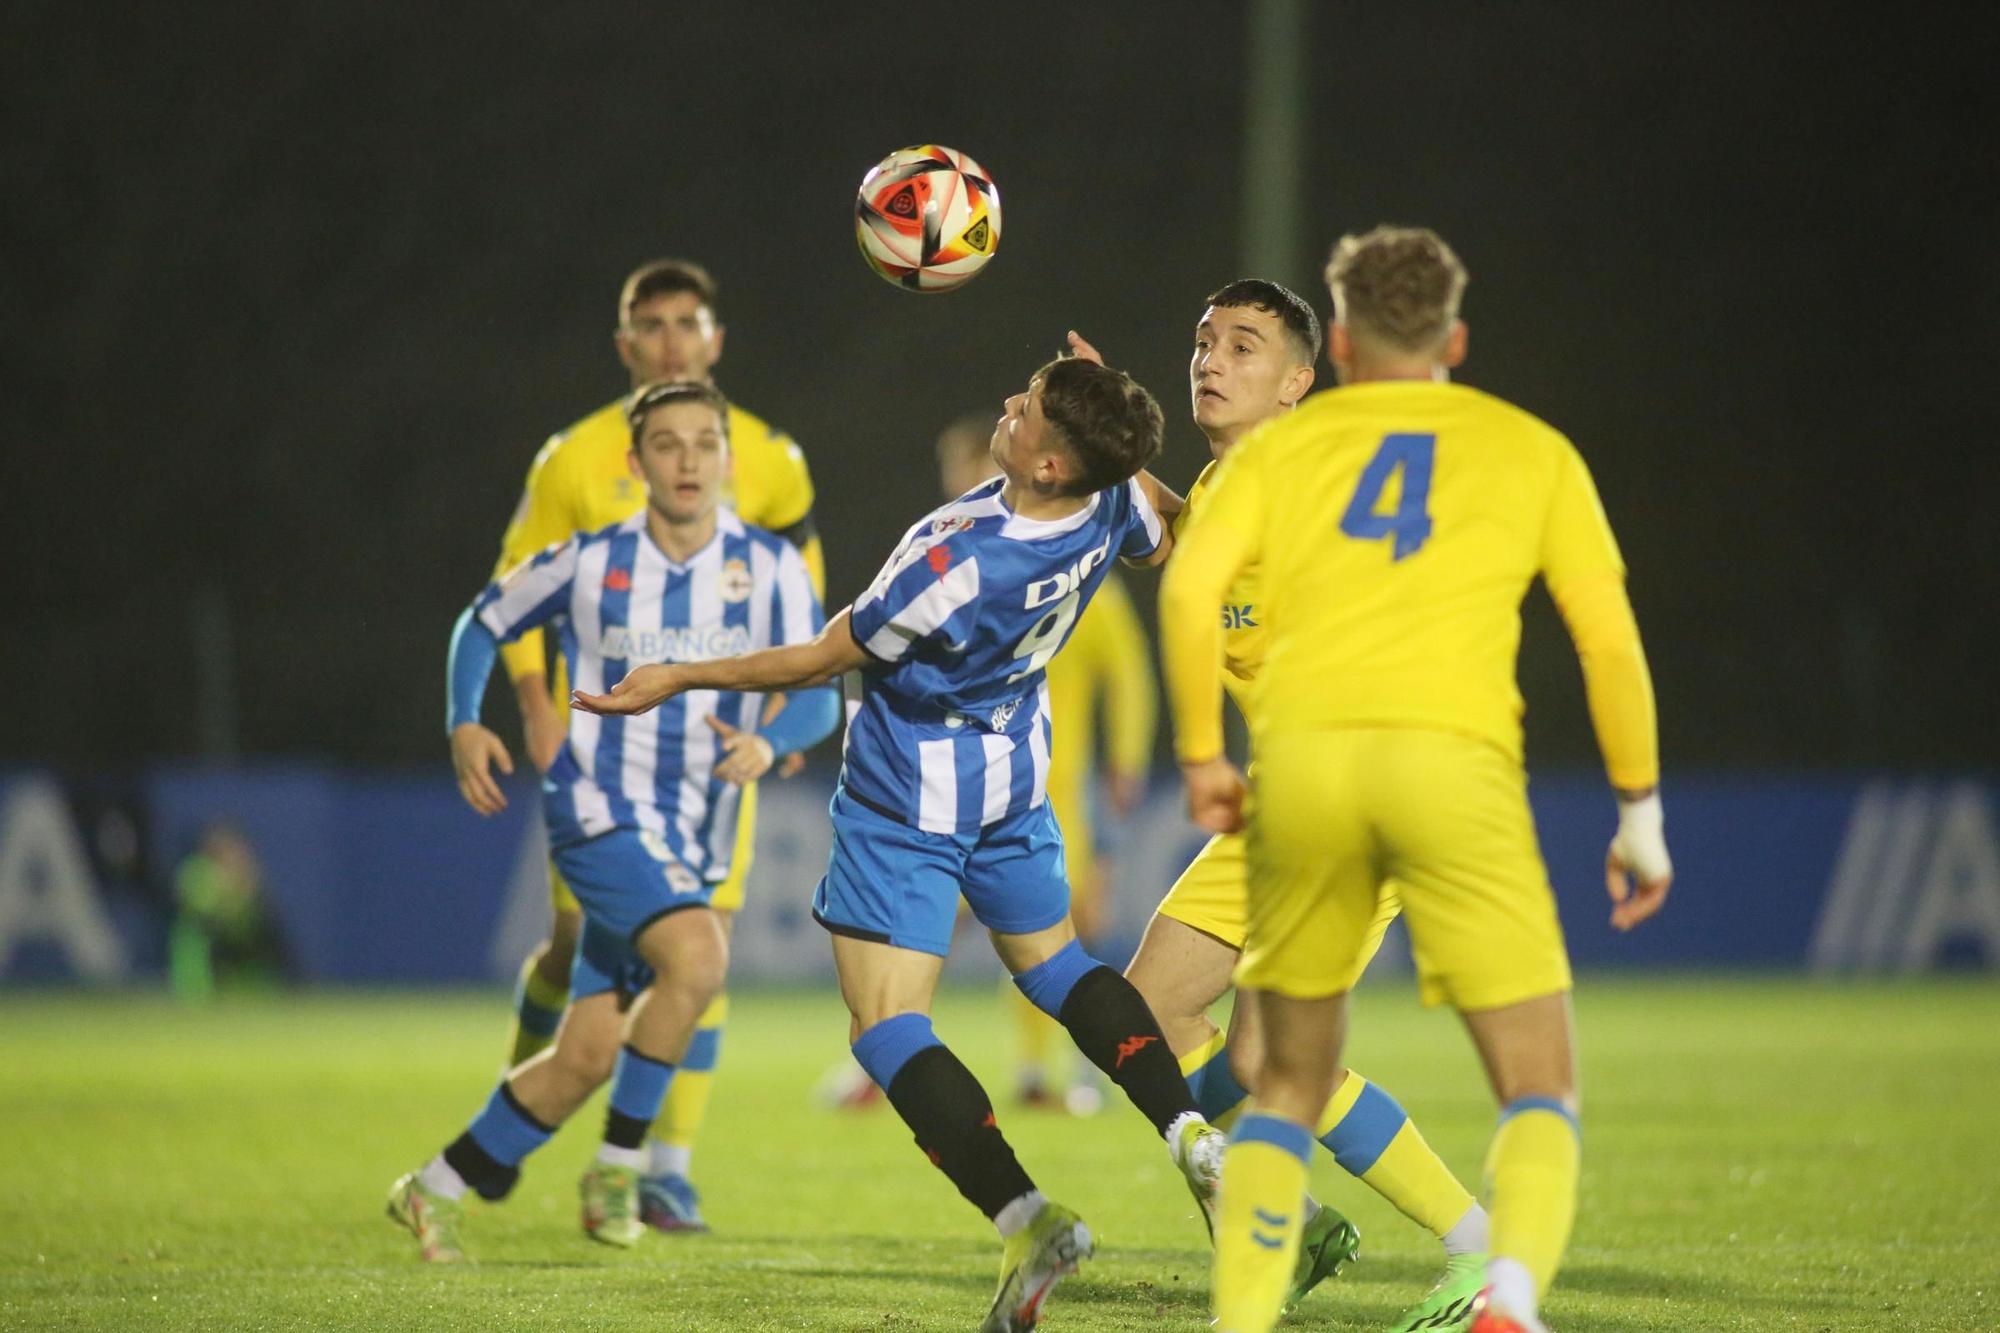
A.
pixel 1080 348
pixel 643 689
pixel 1215 795
pixel 1637 870
pixel 474 752
pixel 746 756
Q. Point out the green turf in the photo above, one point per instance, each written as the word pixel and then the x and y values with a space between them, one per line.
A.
pixel 1758 1155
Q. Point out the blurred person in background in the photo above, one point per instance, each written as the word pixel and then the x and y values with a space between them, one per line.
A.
pixel 669 329
pixel 222 935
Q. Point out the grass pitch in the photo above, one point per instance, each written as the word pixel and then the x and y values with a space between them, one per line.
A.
pixel 1758 1155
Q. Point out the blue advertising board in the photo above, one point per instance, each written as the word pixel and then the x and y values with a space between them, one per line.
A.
pixel 372 878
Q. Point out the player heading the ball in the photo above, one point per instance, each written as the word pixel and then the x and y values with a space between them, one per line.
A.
pixel 943 792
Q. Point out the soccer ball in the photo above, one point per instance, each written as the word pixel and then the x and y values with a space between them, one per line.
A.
pixel 927 218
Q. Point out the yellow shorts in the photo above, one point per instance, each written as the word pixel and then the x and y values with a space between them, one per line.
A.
pixel 728 894
pixel 1213 896
pixel 1337 813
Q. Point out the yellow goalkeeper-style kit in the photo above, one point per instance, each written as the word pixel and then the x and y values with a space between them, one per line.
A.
pixel 1395 527
pixel 580 482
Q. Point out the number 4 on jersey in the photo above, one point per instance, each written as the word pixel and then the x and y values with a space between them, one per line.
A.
pixel 1410 524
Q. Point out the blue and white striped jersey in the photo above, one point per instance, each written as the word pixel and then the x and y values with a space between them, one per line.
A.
pixel 621 603
pixel 953 729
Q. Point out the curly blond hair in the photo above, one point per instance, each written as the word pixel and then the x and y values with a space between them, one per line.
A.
pixel 1397 285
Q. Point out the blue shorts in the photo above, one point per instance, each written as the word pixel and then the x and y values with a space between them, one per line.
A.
pixel 895 884
pixel 625 880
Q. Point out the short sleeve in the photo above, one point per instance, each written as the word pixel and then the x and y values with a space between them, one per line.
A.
pixel 925 587
pixel 530 594
pixel 796 615
pixel 1143 529
pixel 1576 536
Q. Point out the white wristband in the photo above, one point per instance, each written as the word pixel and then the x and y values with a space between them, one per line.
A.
pixel 1641 844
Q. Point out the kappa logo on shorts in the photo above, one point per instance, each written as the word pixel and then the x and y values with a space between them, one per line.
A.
pixel 735 583
pixel 679 878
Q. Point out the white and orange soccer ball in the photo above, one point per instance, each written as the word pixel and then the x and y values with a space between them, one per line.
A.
pixel 927 218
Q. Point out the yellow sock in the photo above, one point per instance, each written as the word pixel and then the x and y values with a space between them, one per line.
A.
pixel 1531 1174
pixel 1372 1137
pixel 1257 1232
pixel 686 1106
pixel 538 1011
pixel 1216 1092
pixel 1033 1030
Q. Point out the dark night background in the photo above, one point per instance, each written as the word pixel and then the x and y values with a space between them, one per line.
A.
pixel 291 294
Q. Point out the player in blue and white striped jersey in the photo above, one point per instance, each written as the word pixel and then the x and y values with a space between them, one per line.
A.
pixel 943 791
pixel 641 812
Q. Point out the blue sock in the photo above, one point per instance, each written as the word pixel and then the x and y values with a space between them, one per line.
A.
pixel 638 1086
pixel 884 1049
pixel 1048 983
pixel 1216 1091
pixel 1364 1133
pixel 703 1051
pixel 488 1155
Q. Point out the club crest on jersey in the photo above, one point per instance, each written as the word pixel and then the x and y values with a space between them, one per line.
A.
pixel 734 583
pixel 1067 581
pixel 944 527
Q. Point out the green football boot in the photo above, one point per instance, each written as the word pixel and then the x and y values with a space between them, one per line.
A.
pixel 1033 1260
pixel 431 1218
pixel 1328 1244
pixel 611 1204
pixel 1449 1306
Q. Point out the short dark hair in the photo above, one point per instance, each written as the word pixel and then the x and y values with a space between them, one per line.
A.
pixel 1300 320
pixel 1112 426
pixel 663 277
pixel 668 392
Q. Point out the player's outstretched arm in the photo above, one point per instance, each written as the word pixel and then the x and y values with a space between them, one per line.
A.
pixel 795 666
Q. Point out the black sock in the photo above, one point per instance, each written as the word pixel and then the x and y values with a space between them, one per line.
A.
pixel 1115 1030
pixel 950 1114
pixel 489 1179
pixel 624 1131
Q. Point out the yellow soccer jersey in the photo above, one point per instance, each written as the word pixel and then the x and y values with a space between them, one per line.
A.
pixel 580 482
pixel 1396 526
pixel 1106 658
pixel 1242 616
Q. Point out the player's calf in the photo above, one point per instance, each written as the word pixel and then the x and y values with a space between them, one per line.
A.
pixel 947 1110
pixel 1112 1026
